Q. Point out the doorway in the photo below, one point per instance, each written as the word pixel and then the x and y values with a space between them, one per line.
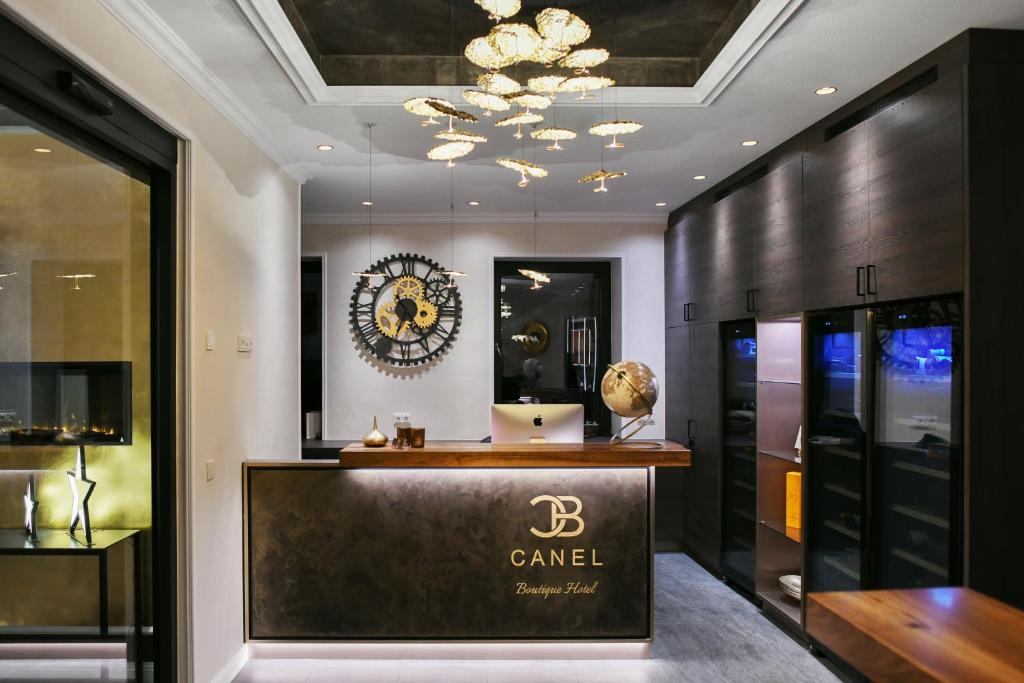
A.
pixel 552 340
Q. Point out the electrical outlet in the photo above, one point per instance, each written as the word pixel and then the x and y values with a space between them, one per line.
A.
pixel 245 344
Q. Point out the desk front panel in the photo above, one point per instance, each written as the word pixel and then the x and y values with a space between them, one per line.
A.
pixel 477 554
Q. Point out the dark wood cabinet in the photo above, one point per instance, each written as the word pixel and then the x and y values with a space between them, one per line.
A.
pixel 737 220
pixel 677 274
pixel 704 506
pixel 778 243
pixel 703 266
pixel 671 483
pixel 836 219
pixel 916 196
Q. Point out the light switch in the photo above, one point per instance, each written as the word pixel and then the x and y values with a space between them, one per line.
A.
pixel 211 340
pixel 211 469
pixel 245 344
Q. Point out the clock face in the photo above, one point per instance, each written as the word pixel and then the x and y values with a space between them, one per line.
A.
pixel 410 316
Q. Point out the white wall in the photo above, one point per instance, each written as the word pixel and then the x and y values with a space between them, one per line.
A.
pixel 452 398
pixel 243 223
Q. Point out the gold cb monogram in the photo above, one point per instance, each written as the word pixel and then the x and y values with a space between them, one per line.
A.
pixel 559 516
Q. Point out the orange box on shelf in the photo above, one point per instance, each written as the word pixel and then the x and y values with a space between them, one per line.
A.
pixel 793 499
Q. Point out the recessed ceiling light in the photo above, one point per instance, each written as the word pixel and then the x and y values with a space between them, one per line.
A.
pixel 700 177
pixel 660 204
pixel 474 203
pixel 42 150
pixel 367 203
pixel 749 143
pixel 826 90
pixel 325 148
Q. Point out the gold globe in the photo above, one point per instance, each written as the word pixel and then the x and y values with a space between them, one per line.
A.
pixel 630 389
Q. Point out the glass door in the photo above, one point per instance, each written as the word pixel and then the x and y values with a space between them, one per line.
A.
pixel 739 501
pixel 915 461
pixel 837 451
pixel 88 282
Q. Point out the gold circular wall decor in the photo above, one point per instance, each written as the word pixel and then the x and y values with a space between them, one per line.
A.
pixel 537 337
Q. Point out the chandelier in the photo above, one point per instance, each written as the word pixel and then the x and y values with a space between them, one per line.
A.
pixel 555 37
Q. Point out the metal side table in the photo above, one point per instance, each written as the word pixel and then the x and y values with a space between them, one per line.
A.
pixel 57 542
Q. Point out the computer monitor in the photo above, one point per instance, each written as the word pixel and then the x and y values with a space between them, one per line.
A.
pixel 537 423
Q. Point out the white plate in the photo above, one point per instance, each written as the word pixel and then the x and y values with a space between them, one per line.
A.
pixel 791 585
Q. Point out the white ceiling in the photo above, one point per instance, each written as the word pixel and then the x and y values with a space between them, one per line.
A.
pixel 852 44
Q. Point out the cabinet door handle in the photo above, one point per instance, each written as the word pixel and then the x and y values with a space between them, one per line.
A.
pixel 689 432
pixel 860 280
pixel 754 308
pixel 749 305
pixel 872 278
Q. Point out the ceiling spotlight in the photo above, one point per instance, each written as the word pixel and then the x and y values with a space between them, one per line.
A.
pixel 325 148
pixel 749 143
pixel 661 204
pixel 42 150
pixel 474 203
pixel 826 90
pixel 700 177
pixel 367 203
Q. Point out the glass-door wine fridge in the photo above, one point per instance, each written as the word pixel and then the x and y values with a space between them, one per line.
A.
pixel 884 468
pixel 739 480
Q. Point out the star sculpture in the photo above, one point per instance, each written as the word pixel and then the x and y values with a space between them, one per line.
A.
pixel 31 505
pixel 81 490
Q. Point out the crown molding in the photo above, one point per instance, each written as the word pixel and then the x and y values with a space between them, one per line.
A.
pixel 482 218
pixel 156 35
pixel 271 24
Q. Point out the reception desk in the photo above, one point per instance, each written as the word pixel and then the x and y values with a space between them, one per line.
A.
pixel 454 541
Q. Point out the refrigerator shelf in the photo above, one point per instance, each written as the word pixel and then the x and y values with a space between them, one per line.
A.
pixel 921 516
pixel 840 567
pixel 921 562
pixel 920 469
pixel 843 529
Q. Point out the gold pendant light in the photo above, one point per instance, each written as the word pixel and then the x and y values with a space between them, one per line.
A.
pixel 498 84
pixel 452 273
pixel 500 9
pixel 524 168
pixel 615 129
pixel 561 28
pixel 487 101
pixel 601 176
pixel 421 106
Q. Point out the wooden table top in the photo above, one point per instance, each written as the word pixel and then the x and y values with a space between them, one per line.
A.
pixel 463 454
pixel 926 634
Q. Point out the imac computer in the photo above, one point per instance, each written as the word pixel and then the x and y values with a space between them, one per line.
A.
pixel 537 423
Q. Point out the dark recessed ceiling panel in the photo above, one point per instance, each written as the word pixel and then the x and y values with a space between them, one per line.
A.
pixel 398 42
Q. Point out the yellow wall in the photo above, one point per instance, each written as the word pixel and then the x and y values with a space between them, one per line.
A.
pixel 65 212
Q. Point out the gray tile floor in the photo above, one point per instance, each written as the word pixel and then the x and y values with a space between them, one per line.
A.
pixel 703 632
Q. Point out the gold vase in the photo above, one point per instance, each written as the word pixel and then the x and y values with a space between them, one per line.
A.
pixel 375 439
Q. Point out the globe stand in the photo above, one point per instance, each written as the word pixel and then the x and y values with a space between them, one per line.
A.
pixel 620 441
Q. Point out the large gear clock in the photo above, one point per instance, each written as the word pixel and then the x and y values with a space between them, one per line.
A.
pixel 408 315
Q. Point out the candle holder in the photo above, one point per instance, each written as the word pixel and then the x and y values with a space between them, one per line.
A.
pixel 417 436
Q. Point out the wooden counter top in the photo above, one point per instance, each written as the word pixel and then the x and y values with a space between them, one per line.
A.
pixel 926 634
pixel 462 454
